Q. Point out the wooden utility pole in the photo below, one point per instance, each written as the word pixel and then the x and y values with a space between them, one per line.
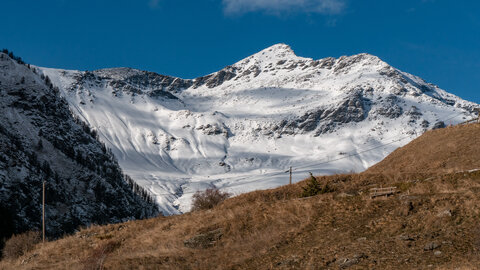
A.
pixel 478 114
pixel 290 175
pixel 43 212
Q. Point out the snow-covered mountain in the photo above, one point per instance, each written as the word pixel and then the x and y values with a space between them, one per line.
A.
pixel 41 141
pixel 240 128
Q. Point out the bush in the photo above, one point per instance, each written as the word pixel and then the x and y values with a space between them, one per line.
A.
pixel 313 187
pixel 203 200
pixel 20 244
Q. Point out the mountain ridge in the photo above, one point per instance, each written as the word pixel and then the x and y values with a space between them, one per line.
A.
pixel 253 119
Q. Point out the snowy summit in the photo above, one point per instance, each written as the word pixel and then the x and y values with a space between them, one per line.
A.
pixel 240 128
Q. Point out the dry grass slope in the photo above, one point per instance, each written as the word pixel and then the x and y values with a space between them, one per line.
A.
pixel 432 223
pixel 442 150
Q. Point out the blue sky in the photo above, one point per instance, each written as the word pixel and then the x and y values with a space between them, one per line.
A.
pixel 438 40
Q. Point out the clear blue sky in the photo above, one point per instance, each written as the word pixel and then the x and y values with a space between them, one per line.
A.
pixel 438 40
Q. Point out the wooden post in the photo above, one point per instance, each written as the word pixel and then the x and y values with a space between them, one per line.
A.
pixel 290 175
pixel 43 212
pixel 478 114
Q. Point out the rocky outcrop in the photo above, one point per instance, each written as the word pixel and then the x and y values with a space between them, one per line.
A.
pixel 214 129
pixel 389 107
pixel 354 108
pixel 217 78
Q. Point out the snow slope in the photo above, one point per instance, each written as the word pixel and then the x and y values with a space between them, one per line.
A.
pixel 242 127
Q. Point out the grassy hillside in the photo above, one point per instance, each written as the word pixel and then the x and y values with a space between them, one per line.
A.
pixel 442 150
pixel 431 223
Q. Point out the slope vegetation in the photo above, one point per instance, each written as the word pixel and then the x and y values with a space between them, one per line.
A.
pixel 442 150
pixel 432 222
pixel 40 141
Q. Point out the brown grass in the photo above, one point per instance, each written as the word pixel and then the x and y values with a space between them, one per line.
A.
pixel 20 244
pixel 443 150
pixel 277 229
pixel 95 260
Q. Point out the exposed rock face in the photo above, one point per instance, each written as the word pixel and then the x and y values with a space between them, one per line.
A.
pixel 213 129
pixel 354 108
pixel 216 79
pixel 390 108
pixel 41 141
pixel 130 81
pixel 438 125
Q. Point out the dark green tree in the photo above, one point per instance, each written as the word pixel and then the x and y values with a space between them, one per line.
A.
pixel 312 188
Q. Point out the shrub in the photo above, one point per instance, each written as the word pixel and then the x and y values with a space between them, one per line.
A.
pixel 203 200
pixel 20 244
pixel 313 187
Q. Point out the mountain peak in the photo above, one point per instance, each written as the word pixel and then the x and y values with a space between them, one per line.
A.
pixel 259 115
pixel 270 56
pixel 280 48
pixel 278 51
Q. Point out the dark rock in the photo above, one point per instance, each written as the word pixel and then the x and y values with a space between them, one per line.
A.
pixel 438 125
pixel 425 124
pixel 449 102
pixel 161 93
pixel 214 129
pixel 220 77
pixel 216 79
pixel 390 72
pixel 414 112
pixel 129 81
pixel 344 63
pixel 354 108
pixel 309 121
pixel 325 63
pixel 390 108
pixel 292 66
pixel 424 88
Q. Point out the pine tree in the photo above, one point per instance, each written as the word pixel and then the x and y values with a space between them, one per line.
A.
pixel 312 188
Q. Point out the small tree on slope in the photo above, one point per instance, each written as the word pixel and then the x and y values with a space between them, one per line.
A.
pixel 208 198
pixel 313 187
